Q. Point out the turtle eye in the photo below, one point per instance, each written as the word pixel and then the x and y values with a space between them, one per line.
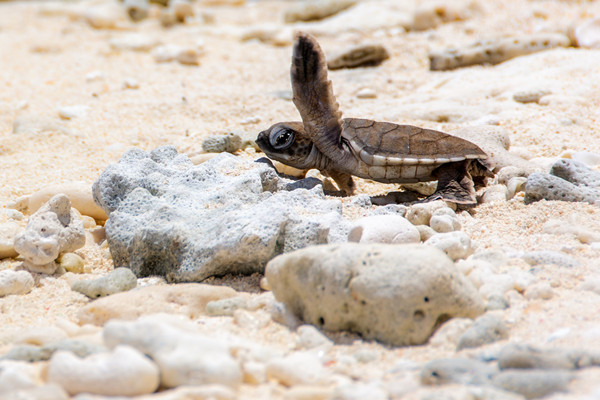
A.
pixel 281 138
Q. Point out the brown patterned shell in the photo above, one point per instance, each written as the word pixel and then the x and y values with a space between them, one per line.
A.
pixel 389 152
pixel 405 141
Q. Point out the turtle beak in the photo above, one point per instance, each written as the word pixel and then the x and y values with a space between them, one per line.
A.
pixel 263 141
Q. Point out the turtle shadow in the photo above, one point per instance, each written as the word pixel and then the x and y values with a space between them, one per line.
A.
pixel 395 198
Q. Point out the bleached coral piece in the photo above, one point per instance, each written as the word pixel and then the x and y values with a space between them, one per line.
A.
pixel 54 229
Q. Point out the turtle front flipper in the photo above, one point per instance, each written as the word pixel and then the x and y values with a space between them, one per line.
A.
pixel 455 184
pixel 314 98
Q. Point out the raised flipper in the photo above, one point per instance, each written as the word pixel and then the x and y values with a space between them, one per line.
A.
pixel 314 98
pixel 455 184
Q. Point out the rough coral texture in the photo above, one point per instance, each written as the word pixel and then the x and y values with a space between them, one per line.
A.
pixel 397 294
pixel 568 180
pixel 227 215
pixel 54 229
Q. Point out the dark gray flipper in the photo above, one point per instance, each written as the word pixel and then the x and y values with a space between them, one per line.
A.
pixel 314 98
pixel 455 184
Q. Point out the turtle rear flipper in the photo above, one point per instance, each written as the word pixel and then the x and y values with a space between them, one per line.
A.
pixel 455 184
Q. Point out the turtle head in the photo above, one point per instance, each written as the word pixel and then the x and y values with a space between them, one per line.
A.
pixel 286 142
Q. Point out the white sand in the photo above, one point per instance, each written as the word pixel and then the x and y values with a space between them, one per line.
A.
pixel 45 61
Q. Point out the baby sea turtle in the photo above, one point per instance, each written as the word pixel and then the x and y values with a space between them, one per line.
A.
pixel 381 151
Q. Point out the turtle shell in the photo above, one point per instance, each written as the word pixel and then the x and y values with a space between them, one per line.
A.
pixel 403 153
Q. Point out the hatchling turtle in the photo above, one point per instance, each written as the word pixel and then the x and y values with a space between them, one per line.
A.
pixel 380 151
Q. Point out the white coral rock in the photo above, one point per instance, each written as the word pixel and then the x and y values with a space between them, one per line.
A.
pixel 122 372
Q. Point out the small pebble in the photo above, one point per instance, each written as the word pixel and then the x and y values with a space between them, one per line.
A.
pixel 425 232
pixel 533 383
pixel 507 173
pixel 32 353
pixel 71 262
pixel 449 333
pixel 316 10
pixel 383 229
pixel 184 55
pixel 15 282
pixel 255 373
pixel 496 302
pixel 137 9
pixel 455 244
pixel 94 76
pixel 457 370
pixel 229 142
pixel 496 285
pixel 360 56
pixel 167 17
pixel 182 9
pixel 8 231
pixel 486 329
pixel 250 120
pixel 549 257
pixel 587 35
pixel 310 337
pixel 522 279
pixel 225 307
pixel 88 222
pixel 298 368
pixel 283 94
pixel 542 291
pixel 131 83
pixel 514 186
pixel 429 15
pixel 420 214
pixel 269 34
pixel 530 96
pixel 495 193
pixel 70 112
pixel 521 356
pixel 133 42
pixel 366 355
pixel 444 220
pixel 366 93
pixel 118 280
pixel 105 16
